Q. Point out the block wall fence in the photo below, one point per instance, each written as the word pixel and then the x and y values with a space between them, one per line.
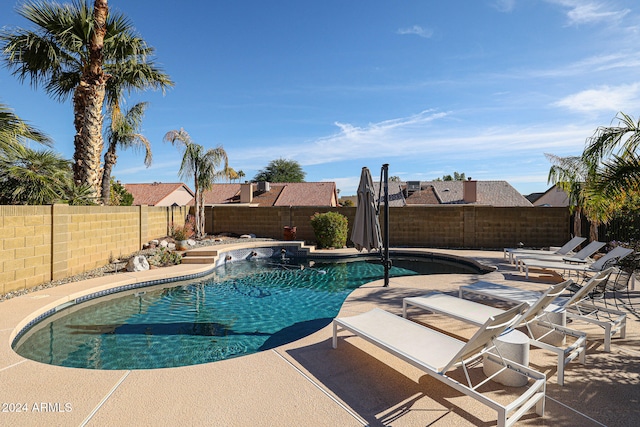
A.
pixel 43 243
pixel 460 226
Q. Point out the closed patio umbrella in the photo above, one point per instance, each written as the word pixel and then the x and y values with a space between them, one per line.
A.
pixel 366 226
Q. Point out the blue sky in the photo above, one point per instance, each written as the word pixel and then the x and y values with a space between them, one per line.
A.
pixel 484 87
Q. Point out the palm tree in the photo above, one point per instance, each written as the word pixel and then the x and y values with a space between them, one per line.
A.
pixel 74 52
pixel 202 165
pixel 16 132
pixel 231 174
pixel 576 177
pixel 241 175
pixel 621 172
pixel 124 133
pixel 30 177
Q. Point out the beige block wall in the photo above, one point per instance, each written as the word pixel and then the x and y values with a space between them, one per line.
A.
pixel 42 243
pixel 459 226
pixel 25 247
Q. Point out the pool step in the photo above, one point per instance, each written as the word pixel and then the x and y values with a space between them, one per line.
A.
pixel 206 256
pixel 198 259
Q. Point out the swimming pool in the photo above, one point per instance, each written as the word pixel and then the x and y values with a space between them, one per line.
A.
pixel 241 308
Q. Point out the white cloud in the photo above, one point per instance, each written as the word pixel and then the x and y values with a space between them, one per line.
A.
pixel 585 12
pixel 505 5
pixel 623 61
pixel 603 98
pixel 417 30
pixel 423 136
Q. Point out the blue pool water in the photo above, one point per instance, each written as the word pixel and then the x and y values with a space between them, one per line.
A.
pixel 241 308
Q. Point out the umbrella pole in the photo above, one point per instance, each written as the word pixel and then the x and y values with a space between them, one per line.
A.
pixel 387 261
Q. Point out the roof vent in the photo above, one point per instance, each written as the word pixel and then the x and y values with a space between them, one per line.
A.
pixel 264 186
pixel 413 186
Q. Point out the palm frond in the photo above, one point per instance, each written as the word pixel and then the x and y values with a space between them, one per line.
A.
pixel 15 131
pixel 619 175
pixel 625 137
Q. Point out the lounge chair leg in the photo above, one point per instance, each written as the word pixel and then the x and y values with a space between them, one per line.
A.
pixel 561 369
pixel 607 338
pixel 540 404
pixel 335 335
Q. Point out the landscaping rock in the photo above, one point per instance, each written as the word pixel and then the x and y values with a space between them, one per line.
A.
pixel 191 242
pixel 164 244
pixel 138 263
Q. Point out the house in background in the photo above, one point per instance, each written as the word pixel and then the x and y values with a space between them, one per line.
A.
pixel 160 194
pixel 554 196
pixel 396 194
pixel 488 193
pixel 273 194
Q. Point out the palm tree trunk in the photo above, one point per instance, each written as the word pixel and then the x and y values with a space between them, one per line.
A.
pixel 110 159
pixel 197 207
pixel 88 103
pixel 593 230
pixel 577 223
pixel 201 215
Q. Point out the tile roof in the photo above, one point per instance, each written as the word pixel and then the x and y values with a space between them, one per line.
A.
pixel 491 193
pixel 307 194
pixel 279 194
pixel 396 195
pixel 222 193
pixel 154 193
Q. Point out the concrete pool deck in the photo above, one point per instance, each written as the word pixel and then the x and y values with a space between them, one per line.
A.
pixel 307 382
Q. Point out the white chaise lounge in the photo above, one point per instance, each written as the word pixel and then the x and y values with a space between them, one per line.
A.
pixel 436 353
pixel 580 257
pixel 565 249
pixel 476 313
pixel 616 253
pixel 578 306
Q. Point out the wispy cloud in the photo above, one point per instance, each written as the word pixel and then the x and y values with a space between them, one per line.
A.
pixel 586 12
pixel 504 5
pixel 417 30
pixel 603 98
pixel 599 63
pixel 426 135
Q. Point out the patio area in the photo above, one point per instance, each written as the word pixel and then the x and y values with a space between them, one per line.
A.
pixel 307 382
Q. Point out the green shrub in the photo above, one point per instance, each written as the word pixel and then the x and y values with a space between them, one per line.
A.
pixel 164 258
pixel 330 229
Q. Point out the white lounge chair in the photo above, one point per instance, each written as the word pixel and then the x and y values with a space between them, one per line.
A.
pixel 618 252
pixel 580 257
pixel 563 250
pixel 575 307
pixel 436 353
pixel 476 313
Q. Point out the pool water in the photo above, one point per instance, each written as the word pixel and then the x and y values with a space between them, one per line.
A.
pixel 241 308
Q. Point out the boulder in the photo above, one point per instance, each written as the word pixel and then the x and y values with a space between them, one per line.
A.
pixel 164 244
pixel 138 263
pixel 248 236
pixel 191 242
pixel 171 246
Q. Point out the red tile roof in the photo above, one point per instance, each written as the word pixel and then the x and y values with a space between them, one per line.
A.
pixel 222 193
pixel 279 194
pixel 153 194
pixel 307 194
